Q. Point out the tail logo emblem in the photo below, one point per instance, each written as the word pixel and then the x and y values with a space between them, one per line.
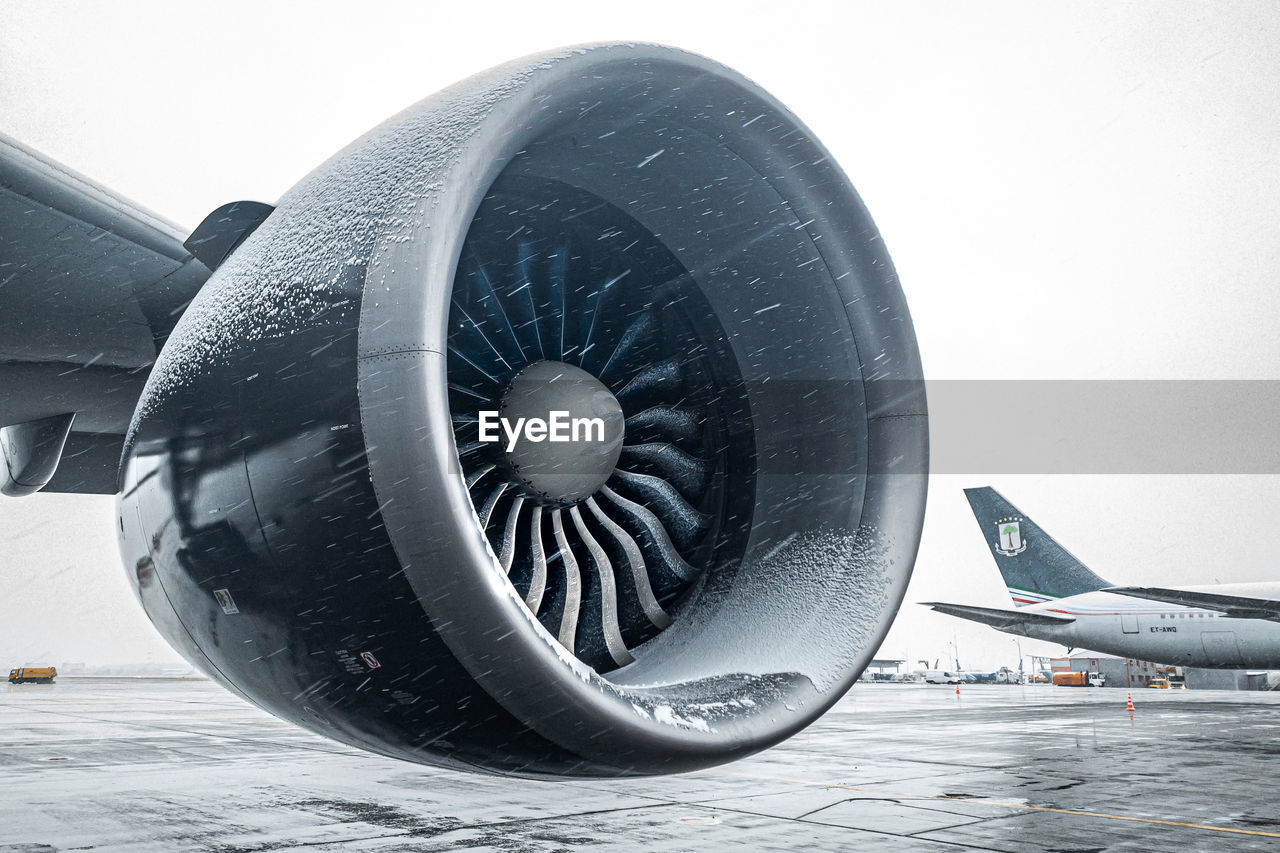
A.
pixel 1009 539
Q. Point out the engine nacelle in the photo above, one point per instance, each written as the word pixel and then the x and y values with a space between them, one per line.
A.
pixel 689 557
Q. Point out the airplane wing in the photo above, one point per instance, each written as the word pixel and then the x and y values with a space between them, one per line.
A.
pixel 90 287
pixel 1237 605
pixel 996 617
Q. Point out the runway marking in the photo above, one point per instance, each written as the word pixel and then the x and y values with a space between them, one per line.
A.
pixel 1079 812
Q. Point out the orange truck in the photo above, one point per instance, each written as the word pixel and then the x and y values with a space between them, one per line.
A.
pixel 1079 679
pixel 38 674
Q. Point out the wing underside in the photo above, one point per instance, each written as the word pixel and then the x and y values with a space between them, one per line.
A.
pixel 90 287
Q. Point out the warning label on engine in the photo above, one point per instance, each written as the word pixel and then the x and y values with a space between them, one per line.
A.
pixel 226 602
pixel 349 662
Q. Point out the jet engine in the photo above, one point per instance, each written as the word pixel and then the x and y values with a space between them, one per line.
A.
pixel 569 423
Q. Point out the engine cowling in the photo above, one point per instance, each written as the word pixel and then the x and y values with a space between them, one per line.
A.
pixel 691 555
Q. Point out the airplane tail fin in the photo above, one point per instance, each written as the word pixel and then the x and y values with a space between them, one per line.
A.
pixel 1034 566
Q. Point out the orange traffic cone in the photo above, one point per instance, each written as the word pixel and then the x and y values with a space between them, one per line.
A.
pixel 957 688
pixel 1129 707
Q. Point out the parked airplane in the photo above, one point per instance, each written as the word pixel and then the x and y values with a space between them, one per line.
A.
pixel 1057 598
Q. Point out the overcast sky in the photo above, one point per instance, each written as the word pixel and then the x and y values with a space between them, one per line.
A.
pixel 1086 192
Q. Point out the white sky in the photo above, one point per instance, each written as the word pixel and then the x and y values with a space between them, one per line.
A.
pixel 1086 191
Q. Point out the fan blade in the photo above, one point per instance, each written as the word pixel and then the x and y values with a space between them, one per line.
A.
pixel 657 533
pixel 474 329
pixel 457 355
pixel 686 523
pixel 470 447
pixel 484 398
pixel 522 297
pixel 509 535
pixel 537 583
pixel 491 303
pixel 639 329
pixel 558 284
pixel 548 278
pixel 669 423
pixel 487 509
pixel 639 572
pixel 477 475
pixel 660 378
pixel 591 317
pixel 608 593
pixel 572 586
pixel 686 472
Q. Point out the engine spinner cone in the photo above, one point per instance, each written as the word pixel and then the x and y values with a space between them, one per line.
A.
pixel 568 430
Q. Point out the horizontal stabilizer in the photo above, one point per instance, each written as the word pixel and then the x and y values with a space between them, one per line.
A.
pixel 997 618
pixel 1237 606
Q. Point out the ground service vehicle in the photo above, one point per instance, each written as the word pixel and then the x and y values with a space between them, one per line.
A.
pixel 38 674
pixel 940 676
pixel 1079 679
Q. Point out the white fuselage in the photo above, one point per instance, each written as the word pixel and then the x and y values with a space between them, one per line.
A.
pixel 1162 633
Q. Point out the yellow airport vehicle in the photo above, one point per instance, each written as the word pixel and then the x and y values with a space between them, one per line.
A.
pixel 38 674
pixel 1159 683
pixel 1079 679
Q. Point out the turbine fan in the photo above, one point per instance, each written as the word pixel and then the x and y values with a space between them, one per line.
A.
pixel 573 291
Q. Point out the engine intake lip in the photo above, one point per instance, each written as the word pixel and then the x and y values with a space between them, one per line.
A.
pixel 763 652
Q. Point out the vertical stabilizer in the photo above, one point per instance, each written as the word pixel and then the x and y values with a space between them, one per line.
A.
pixel 1034 566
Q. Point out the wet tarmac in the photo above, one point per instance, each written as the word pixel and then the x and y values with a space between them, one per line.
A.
pixel 139 765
